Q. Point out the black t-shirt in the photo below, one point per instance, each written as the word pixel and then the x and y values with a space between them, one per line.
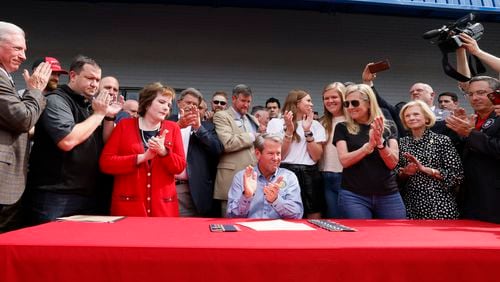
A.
pixel 369 176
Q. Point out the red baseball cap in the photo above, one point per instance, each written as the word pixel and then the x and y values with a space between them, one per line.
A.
pixel 54 65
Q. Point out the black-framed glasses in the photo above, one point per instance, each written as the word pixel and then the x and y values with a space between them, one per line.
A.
pixel 217 102
pixel 354 103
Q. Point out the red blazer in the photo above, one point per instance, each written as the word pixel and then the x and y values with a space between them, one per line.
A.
pixel 144 189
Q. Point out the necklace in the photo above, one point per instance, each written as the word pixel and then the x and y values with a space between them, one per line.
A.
pixel 149 133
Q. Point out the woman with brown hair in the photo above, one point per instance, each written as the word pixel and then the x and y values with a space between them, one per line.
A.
pixel 144 154
pixel 302 148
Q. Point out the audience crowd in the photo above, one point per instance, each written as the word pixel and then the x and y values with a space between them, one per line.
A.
pixel 80 148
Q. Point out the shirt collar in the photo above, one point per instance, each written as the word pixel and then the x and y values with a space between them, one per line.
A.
pixel 236 114
pixel 259 174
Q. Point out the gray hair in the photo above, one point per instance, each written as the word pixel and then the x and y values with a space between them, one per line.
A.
pixel 259 140
pixel 242 89
pixel 9 29
pixel 193 92
pixel 493 83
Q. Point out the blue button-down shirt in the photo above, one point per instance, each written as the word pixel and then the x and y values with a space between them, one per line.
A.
pixel 288 204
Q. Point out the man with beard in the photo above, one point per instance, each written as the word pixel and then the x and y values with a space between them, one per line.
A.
pixel 57 70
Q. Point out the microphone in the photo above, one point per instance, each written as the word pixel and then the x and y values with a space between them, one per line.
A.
pixel 432 33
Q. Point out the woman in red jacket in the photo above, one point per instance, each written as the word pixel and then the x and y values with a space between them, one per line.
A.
pixel 144 154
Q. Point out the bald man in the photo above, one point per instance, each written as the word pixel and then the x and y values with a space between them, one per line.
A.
pixel 110 84
pixel 131 107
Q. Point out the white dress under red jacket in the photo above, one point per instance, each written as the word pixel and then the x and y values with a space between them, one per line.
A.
pixel 147 189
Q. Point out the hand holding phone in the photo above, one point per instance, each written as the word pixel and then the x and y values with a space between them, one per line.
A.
pixel 495 97
pixel 379 66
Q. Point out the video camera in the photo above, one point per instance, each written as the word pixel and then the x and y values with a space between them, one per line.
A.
pixel 446 38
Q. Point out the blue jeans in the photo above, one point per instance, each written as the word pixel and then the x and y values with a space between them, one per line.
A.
pixel 46 206
pixel 331 182
pixel 357 206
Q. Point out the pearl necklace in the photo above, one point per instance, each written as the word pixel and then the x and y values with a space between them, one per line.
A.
pixel 145 142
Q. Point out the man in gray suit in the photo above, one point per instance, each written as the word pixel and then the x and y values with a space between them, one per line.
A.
pixel 236 130
pixel 17 116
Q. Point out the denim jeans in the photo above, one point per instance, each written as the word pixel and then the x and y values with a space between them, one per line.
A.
pixel 47 206
pixel 331 182
pixel 357 206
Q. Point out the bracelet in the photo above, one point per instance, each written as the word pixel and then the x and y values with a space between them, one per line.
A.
pixel 310 140
pixel 433 172
pixel 110 118
pixel 384 144
pixel 288 136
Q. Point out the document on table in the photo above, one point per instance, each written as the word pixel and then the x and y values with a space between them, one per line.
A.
pixel 91 218
pixel 276 225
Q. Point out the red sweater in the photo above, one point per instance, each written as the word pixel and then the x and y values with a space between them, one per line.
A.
pixel 147 189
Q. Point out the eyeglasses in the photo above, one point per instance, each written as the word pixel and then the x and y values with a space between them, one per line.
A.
pixel 217 102
pixel 354 103
pixel 479 93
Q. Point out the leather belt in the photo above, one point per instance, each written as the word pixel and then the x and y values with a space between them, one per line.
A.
pixel 180 182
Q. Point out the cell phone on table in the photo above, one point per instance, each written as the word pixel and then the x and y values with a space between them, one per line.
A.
pixel 223 228
pixel 379 66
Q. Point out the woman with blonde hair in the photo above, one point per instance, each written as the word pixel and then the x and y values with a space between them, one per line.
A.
pixel 302 148
pixel 430 165
pixel 330 166
pixel 368 150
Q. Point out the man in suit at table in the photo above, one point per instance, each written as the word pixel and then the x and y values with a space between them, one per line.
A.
pixel 17 116
pixel 195 185
pixel 237 131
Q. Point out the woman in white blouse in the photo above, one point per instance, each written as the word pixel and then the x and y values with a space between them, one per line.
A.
pixel 302 148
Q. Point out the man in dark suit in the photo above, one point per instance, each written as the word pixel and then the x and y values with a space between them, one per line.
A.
pixel 17 116
pixel 196 184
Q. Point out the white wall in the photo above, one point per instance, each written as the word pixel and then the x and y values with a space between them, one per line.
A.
pixel 208 48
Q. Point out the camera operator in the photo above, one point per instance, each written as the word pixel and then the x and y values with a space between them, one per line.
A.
pixel 470 45
pixel 481 138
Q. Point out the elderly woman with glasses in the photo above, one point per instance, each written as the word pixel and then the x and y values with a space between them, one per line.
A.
pixel 368 151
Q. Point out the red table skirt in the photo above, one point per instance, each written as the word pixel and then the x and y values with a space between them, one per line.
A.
pixel 183 249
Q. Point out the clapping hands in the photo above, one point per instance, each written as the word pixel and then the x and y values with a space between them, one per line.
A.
pixel 40 77
pixel 272 190
pixel 249 182
pixel 376 132
pixel 157 144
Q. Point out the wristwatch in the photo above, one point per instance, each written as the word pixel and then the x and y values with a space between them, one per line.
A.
pixel 308 134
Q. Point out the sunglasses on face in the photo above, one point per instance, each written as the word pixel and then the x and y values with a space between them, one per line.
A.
pixel 217 102
pixel 354 103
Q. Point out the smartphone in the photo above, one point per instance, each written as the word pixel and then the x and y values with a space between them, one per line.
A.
pixel 379 66
pixel 495 97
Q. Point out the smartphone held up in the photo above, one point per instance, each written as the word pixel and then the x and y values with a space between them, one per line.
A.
pixel 379 66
